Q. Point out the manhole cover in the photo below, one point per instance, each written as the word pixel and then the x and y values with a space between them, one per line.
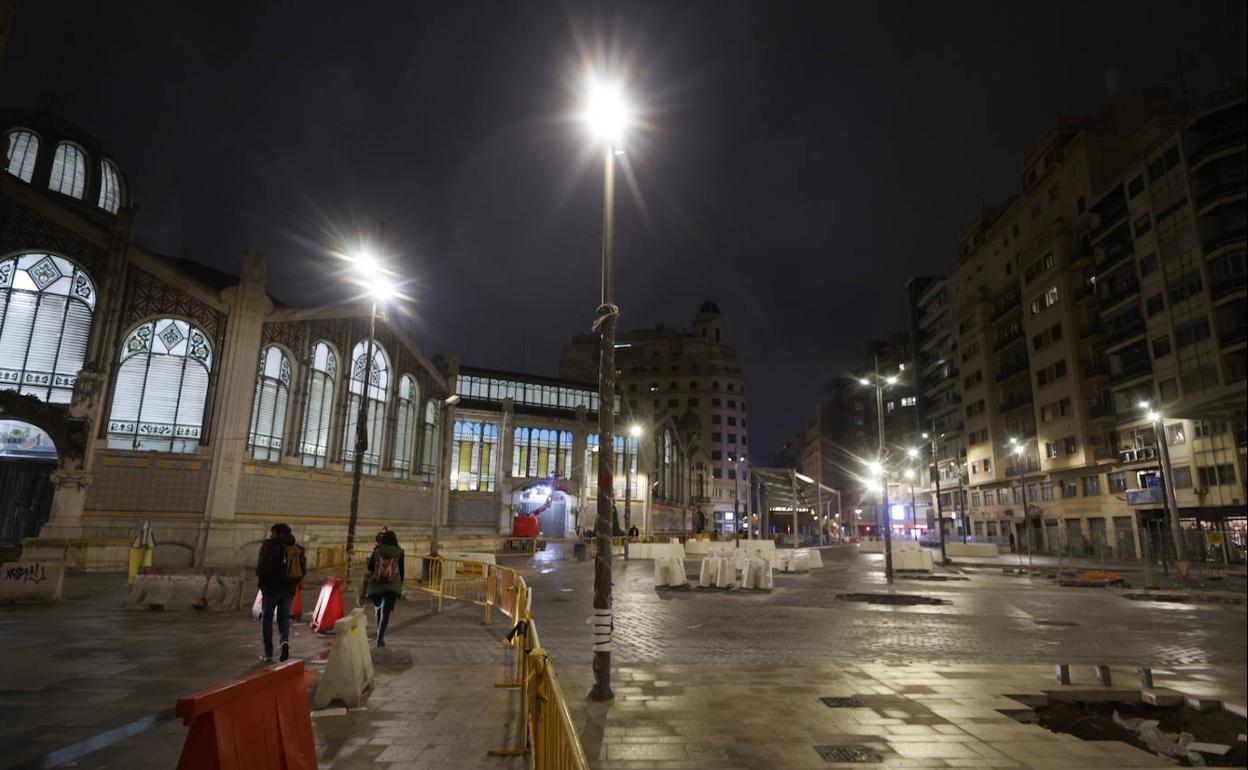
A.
pixel 842 702
pixel 903 599
pixel 859 754
pixel 1054 623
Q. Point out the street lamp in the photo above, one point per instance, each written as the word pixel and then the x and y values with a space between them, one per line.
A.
pixel 1024 531
pixel 736 499
pixel 1167 476
pixel 375 279
pixel 607 116
pixel 934 469
pixel 634 433
pixel 914 517
pixel 879 383
pixel 442 471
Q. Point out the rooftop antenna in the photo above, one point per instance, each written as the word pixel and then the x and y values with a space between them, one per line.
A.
pixel 55 97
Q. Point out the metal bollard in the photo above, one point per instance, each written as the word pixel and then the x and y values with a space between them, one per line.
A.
pixel 1063 673
pixel 1102 675
pixel 1146 677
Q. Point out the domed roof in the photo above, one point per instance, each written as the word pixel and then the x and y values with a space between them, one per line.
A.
pixel 709 307
pixel 48 150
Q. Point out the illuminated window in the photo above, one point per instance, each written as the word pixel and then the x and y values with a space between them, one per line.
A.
pixel 162 388
pixel 69 171
pixel 474 453
pixel 429 451
pixel 621 483
pixel 268 407
pixel 378 386
pixel 317 406
pixel 21 154
pixel 541 453
pixel 405 426
pixel 46 308
pixel 110 187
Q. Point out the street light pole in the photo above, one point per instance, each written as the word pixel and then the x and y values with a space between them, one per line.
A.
pixel 361 443
pixel 442 471
pixel 940 515
pixel 888 524
pixel 1167 474
pixel 736 501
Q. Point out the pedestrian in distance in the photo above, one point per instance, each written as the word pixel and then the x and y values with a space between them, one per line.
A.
pixel 385 579
pixel 280 570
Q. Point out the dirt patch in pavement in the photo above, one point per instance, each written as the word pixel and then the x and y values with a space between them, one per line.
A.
pixel 897 599
pixel 1095 722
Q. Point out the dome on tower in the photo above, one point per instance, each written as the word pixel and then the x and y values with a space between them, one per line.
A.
pixel 709 307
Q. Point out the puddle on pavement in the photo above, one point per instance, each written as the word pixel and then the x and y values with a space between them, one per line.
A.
pixel 904 600
pixel 1181 724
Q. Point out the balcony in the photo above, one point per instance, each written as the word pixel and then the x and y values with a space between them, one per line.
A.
pixel 1216 143
pixel 1093 369
pixel 1007 339
pixel 1120 292
pixel 1144 454
pixel 1124 332
pixel 1233 336
pixel 1228 285
pixel 1149 496
pixel 1014 402
pixel 1133 371
pixel 1208 193
pixel 1114 254
pixel 1084 291
pixel 1093 329
pixel 1030 465
pixel 1003 306
pixel 1104 454
pixel 1222 237
pixel 1109 220
pixel 1102 412
pixel 1011 368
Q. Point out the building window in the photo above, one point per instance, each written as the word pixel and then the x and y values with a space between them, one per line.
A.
pixel 1161 346
pixel 544 453
pixel 1091 486
pixel 1181 477
pixel 406 413
pixel 717 437
pixel 1143 225
pixel 717 473
pixel 1215 475
pixel 1174 434
pixel 69 171
pixel 732 438
pixel 732 404
pixel 1148 264
pixel 1154 304
pixel 1003 497
pixel 1070 488
pixel 1167 390
pixel 318 404
pixel 987 465
pixel 716 402
pixel 1135 186
pixel 1072 445
pixel 47 304
pixel 692 403
pixel 161 388
pixel 1046 492
pixel 110 187
pixel 1117 482
pixel 268 407
pixel 974 499
pixel 717 454
pixel 1050 449
pixel 430 446
pixel 378 389
pixel 474 456
pixel 22 151
pixel 909 400
pixel 673 402
pixel 716 419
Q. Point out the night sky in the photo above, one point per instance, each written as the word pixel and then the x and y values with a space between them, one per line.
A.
pixel 800 160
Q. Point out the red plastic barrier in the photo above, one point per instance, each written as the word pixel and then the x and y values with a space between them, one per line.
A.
pixel 296 606
pixel 328 606
pixel 258 723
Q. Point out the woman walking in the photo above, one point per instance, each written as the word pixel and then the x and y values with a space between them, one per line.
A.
pixel 385 579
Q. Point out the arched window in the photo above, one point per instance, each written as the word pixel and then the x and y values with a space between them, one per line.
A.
pixel 318 406
pixel 69 171
pixel 405 426
pixel 110 187
pixel 268 408
pixel 46 307
pixel 474 453
pixel 162 387
pixel 378 386
pixel 21 154
pixel 431 445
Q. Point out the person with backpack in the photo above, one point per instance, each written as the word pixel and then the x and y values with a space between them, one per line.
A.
pixel 385 579
pixel 280 569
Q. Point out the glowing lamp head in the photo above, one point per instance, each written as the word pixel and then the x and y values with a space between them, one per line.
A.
pixel 912 453
pixel 634 431
pixel 863 381
pixel 874 468
pixel 891 380
pixel 1154 415
pixel 607 113
pixel 910 474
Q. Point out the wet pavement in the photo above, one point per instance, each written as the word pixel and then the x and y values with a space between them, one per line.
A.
pixel 705 678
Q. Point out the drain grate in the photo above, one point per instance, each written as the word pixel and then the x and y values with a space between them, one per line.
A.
pixel 842 702
pixel 858 754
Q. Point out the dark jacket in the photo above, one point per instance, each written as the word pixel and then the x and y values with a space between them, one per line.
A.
pixel 271 565
pixel 374 588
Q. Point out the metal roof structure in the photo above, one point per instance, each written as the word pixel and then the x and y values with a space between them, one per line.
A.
pixel 780 484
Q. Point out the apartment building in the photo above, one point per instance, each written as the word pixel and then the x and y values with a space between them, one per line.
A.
pixel 693 377
pixel 1051 299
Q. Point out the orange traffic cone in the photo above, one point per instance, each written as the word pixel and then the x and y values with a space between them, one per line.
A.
pixel 328 606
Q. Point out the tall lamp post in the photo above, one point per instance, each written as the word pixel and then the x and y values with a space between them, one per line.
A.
pixel 607 116
pixel 1024 529
pixel 378 284
pixel 634 433
pixel 1167 474
pixel 914 514
pixel 935 473
pixel 736 499
pixel 442 471
pixel 879 384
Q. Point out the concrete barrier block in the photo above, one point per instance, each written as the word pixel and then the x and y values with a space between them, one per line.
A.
pixel 1237 709
pixel 32 581
pixel 871 546
pixel 349 674
pixel 676 577
pixel 1203 704
pixel 185 589
pixel 971 549
pixel 706 576
pixel 1161 696
pixel 660 574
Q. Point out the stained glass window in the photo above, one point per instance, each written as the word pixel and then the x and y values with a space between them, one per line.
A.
pixel 161 388
pixel 318 405
pixel 405 426
pixel 618 479
pixel 110 187
pixel 474 452
pixel 20 156
pixel 378 386
pixel 69 171
pixel 541 453
pixel 430 445
pixel 46 309
pixel 268 408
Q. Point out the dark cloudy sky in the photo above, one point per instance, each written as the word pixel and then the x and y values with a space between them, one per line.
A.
pixel 801 159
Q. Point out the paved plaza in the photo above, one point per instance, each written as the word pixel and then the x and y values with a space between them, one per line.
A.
pixel 703 678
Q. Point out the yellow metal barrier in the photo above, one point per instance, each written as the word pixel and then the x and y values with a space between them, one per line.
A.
pixel 331 557
pixel 553 737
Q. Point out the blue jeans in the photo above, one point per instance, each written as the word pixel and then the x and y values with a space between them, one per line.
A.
pixel 279 603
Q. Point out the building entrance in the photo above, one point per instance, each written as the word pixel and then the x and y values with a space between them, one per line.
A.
pixel 27 459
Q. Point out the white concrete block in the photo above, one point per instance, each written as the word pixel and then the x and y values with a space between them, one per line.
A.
pixel 188 588
pixel 348 672
pixel 32 581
